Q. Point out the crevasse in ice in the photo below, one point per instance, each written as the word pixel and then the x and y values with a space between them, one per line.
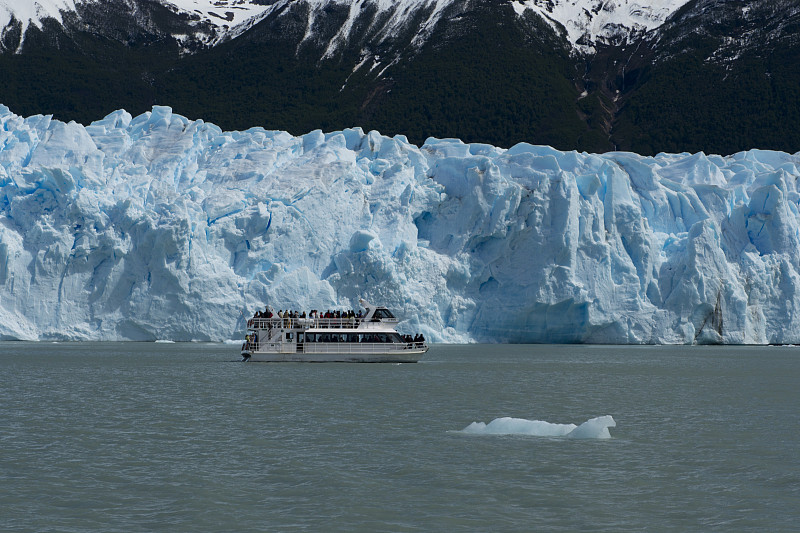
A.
pixel 160 227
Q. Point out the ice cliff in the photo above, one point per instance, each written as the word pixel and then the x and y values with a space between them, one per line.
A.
pixel 159 227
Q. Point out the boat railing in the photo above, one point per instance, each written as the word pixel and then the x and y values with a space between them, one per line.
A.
pixel 302 323
pixel 361 347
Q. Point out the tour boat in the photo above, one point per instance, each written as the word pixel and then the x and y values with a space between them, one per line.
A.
pixel 369 338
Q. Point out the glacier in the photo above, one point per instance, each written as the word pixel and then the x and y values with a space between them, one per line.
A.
pixel 160 227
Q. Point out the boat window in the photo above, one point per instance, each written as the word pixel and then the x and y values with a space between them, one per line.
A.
pixel 382 313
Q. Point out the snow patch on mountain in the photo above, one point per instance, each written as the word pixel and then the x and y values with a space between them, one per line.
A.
pixel 159 227
pixel 233 17
pixel 230 17
pixel 591 21
pixel 33 12
pixel 222 13
pixel 29 12
pixel 391 17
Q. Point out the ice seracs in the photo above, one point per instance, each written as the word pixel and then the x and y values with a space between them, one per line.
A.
pixel 160 227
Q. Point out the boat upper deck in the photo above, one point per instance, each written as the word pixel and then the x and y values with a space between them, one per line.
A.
pixel 348 323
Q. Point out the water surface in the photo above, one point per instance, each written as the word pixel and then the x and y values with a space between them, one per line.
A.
pixel 183 437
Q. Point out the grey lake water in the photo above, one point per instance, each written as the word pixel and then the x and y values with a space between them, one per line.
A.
pixel 182 437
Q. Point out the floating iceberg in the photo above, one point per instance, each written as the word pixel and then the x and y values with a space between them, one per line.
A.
pixel 159 227
pixel 595 428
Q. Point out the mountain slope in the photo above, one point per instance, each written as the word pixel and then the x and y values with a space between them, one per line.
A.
pixel 722 78
pixel 391 84
pixel 590 75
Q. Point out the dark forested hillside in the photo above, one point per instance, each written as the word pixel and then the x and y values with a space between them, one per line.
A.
pixel 718 80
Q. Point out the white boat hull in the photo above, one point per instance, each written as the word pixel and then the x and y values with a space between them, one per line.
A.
pixel 393 357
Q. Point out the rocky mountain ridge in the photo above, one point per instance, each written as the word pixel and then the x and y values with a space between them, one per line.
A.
pixel 584 22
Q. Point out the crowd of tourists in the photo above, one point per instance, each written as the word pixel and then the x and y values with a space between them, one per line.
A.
pixel 267 313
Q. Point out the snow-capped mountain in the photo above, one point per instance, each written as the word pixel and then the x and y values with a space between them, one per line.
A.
pixel 585 21
pixel 222 13
pixel 226 18
pixel 645 76
pixel 588 22
pixel 159 227
pixel 231 18
pixel 33 12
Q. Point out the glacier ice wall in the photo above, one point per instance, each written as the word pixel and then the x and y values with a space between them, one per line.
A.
pixel 159 227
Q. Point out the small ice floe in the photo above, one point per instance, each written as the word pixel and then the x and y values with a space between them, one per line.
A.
pixel 595 428
pixel 163 341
